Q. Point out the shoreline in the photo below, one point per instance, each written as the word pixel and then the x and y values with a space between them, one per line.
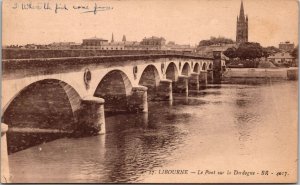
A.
pixel 273 73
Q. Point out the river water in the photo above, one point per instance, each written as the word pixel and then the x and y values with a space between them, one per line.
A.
pixel 222 128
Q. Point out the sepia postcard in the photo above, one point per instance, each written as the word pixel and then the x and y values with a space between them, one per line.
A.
pixel 149 91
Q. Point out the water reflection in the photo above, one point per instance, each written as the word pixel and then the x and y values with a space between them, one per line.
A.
pixel 231 120
pixel 136 143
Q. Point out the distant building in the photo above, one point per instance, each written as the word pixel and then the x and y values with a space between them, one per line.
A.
pixel 282 58
pixel 30 46
pixel 34 46
pixel 94 43
pixel 178 47
pixel 124 38
pixel 153 43
pixel 286 46
pixel 242 26
pixel 208 50
pixel 60 45
pixel 171 43
pixel 76 46
pixel 132 45
pixel 113 46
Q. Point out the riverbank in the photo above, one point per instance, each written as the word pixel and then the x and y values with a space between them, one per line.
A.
pixel 273 73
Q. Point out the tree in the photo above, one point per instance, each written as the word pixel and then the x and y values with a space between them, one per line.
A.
pixel 294 53
pixel 215 40
pixel 270 50
pixel 230 52
pixel 249 50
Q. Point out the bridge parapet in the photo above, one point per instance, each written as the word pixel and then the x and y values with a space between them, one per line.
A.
pixel 11 65
pixel 9 53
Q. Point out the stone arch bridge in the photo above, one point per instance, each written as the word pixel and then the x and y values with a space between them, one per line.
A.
pixel 46 93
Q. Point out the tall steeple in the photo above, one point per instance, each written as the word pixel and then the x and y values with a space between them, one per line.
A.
pixel 242 26
pixel 112 38
pixel 242 14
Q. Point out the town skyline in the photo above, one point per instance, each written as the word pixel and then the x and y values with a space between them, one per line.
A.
pixel 156 18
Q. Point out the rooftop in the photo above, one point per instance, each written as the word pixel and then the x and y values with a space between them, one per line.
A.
pixel 281 55
pixel 96 38
pixel 114 44
pixel 286 42
pixel 153 37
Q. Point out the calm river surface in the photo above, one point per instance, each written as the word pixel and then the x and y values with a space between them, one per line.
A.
pixel 225 127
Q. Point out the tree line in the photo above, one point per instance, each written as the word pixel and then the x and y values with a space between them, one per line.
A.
pixel 247 50
pixel 215 40
pixel 253 50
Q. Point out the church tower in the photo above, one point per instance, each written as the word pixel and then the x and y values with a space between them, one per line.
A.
pixel 242 26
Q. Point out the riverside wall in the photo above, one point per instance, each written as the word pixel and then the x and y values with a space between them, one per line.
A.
pixel 278 73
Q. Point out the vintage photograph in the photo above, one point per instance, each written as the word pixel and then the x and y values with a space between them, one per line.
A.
pixel 149 91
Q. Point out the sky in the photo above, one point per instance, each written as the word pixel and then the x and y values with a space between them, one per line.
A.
pixel 182 21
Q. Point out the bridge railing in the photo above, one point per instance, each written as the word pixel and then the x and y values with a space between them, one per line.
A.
pixel 12 53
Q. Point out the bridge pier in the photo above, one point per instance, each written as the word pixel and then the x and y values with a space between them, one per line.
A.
pixel 91 120
pixel 218 67
pixel 182 86
pixel 203 79
pixel 210 76
pixel 217 77
pixel 194 82
pixel 164 90
pixel 292 74
pixel 5 176
pixel 138 102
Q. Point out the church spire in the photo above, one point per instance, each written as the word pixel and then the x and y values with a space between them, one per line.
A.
pixel 242 26
pixel 124 38
pixel 112 37
pixel 242 15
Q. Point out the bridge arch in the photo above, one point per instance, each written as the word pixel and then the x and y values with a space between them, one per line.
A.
pixel 45 104
pixel 204 66
pixel 150 78
pixel 210 66
pixel 196 68
pixel 172 72
pixel 186 69
pixel 115 88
